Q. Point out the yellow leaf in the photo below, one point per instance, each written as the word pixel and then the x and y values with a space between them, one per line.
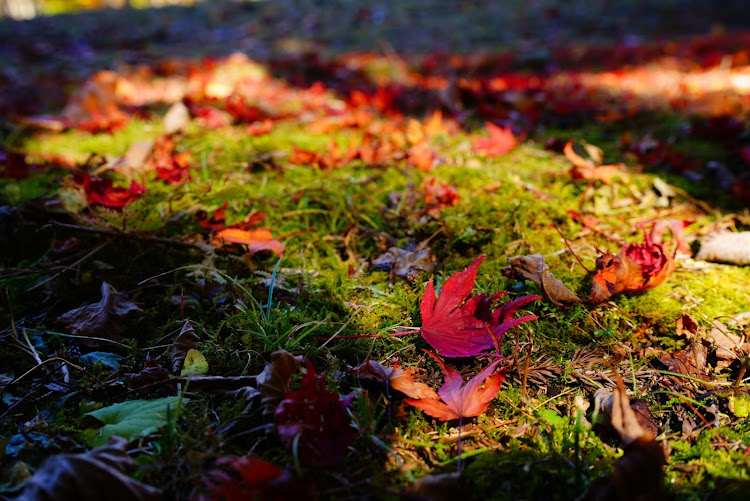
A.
pixel 195 364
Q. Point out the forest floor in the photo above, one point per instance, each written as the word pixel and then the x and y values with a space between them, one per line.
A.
pixel 223 229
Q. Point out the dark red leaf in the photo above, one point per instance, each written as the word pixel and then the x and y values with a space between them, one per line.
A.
pixel 317 420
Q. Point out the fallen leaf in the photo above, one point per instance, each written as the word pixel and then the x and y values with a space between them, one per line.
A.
pixel 256 240
pixel 314 422
pixel 397 378
pixel 274 381
pixel 176 119
pixel 249 477
pixel 636 268
pixel 729 346
pixel 405 263
pixel 103 319
pixel 589 169
pixel 638 473
pixel 458 400
pixel 438 196
pixel 216 221
pixel 439 487
pixel 148 380
pixel 195 364
pixel 184 342
pixel 260 128
pixel 130 419
pixel 100 191
pixel 421 156
pixel 101 473
pixel 500 142
pixel 534 269
pixel 452 325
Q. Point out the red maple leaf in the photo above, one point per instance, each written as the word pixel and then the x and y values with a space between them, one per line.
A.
pixel 217 219
pixel 458 400
pixel 100 191
pixel 316 420
pixel 249 477
pixel 500 142
pixel 460 326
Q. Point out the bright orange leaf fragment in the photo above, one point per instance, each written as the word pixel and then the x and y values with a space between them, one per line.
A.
pixel 256 240
pixel 500 142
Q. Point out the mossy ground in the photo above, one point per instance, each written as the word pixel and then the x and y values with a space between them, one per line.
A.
pixel 531 444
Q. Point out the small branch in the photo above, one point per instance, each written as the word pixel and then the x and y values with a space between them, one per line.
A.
pixel 135 236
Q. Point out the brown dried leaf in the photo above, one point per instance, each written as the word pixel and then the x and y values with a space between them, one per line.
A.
pixel 98 474
pixel 441 487
pixel 273 382
pixel 102 319
pixel 728 344
pixel 534 269
pixel 638 473
pixel 405 263
pixel 184 342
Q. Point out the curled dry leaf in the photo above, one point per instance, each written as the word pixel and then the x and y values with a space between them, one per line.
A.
pixel 273 382
pixel 458 400
pixel 534 269
pixel 103 319
pixel 461 325
pixel 590 169
pixel 184 342
pixel 638 473
pixel 398 379
pixel 637 267
pixel 439 487
pixel 405 263
pixel 101 473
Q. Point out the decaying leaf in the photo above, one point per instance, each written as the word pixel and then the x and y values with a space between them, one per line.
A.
pixel 590 169
pixel 460 325
pixel 458 400
pixel 103 319
pixel 273 382
pixel 398 379
pixel 534 269
pixel 101 473
pixel 184 342
pixel 726 247
pixel 690 361
pixel 638 473
pixel 439 487
pixel 729 346
pixel 405 263
pixel 314 421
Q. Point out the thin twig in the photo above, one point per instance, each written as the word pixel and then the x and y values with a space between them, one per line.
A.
pixel 134 236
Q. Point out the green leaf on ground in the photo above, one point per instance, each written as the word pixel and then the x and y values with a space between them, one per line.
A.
pixel 129 419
